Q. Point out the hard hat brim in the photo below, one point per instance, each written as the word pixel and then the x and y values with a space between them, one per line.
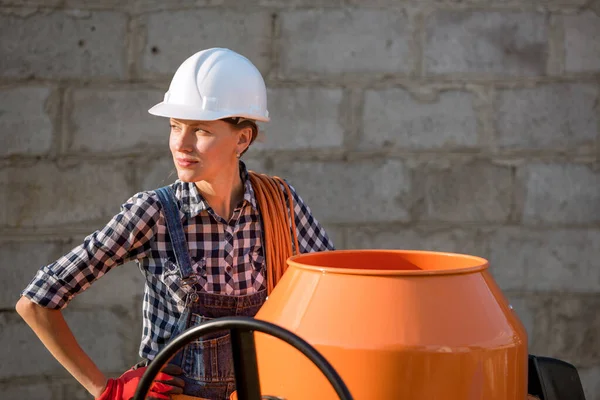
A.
pixel 181 111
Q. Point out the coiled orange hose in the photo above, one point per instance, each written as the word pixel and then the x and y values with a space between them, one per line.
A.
pixel 279 225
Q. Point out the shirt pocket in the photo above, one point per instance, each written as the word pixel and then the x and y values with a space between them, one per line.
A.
pixel 169 275
pixel 254 265
pixel 252 260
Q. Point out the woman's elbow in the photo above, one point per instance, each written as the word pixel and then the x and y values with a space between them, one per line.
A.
pixel 25 307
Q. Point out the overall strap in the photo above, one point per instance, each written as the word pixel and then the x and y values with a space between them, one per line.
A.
pixel 175 229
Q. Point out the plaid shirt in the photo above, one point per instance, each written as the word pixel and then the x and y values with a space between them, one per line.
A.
pixel 228 256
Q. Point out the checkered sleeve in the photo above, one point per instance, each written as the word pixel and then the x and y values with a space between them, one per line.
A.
pixel 311 235
pixel 124 238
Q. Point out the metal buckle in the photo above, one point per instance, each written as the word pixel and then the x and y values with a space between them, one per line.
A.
pixel 193 297
pixel 189 281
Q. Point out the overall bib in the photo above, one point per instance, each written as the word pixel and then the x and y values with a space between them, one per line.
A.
pixel 207 362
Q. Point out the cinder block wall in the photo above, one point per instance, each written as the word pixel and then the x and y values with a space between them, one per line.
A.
pixel 468 126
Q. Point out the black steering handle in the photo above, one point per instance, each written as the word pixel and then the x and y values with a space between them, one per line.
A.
pixel 244 355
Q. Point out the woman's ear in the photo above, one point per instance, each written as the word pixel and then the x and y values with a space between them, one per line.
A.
pixel 244 139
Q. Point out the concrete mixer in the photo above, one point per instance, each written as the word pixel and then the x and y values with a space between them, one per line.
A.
pixel 385 324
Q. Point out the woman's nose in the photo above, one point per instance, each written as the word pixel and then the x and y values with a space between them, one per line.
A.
pixel 183 141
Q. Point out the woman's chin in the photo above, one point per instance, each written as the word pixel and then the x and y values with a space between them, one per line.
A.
pixel 185 177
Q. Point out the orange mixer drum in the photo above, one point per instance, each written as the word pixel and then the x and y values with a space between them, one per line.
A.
pixel 395 325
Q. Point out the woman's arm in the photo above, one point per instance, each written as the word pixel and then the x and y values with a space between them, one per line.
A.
pixel 311 235
pixel 52 329
pixel 127 236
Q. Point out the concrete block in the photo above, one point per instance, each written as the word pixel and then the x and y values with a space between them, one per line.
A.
pixel 19 262
pixel 303 118
pixel 555 116
pixel 590 380
pixel 417 238
pixel 582 42
pixel 173 36
pixel 150 5
pixel 21 341
pixel 501 43
pixel 78 5
pixel 97 4
pixel 156 172
pixel 74 391
pixel 28 390
pixel 47 195
pixel 105 335
pixel 545 260
pixel 4 196
pixel 333 192
pixel 63 45
pixel 348 41
pixel 560 325
pixel 26 127
pixel 394 118
pixel 566 326
pixel 559 193
pixel 116 121
pixel 255 163
pixel 30 3
pixel 464 192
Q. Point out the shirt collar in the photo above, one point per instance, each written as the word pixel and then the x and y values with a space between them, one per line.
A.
pixel 193 203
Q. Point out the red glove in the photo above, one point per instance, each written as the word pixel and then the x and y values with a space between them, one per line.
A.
pixel 123 388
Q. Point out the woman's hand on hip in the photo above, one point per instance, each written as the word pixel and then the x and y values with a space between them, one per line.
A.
pixel 165 384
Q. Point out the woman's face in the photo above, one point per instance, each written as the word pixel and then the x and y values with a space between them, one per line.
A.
pixel 204 149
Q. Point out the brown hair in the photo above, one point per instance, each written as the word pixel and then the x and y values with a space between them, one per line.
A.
pixel 240 123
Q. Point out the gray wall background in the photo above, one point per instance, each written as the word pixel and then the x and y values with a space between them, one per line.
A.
pixel 468 126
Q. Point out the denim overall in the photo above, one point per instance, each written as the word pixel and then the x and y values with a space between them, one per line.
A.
pixel 207 362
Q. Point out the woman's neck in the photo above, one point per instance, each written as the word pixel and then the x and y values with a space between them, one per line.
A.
pixel 223 193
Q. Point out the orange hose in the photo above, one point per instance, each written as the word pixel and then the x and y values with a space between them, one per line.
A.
pixel 279 225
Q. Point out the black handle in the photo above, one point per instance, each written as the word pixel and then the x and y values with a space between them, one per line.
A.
pixel 244 355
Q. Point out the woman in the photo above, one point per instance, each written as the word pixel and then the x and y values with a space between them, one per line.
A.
pixel 199 242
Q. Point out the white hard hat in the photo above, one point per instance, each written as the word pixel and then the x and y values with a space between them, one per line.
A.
pixel 214 84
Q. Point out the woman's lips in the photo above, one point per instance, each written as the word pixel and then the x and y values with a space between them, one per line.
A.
pixel 183 162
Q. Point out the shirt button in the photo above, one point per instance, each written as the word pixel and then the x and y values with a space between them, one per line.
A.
pixel 228 269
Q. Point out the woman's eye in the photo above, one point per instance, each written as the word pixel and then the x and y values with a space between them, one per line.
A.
pixel 202 132
pixel 174 128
